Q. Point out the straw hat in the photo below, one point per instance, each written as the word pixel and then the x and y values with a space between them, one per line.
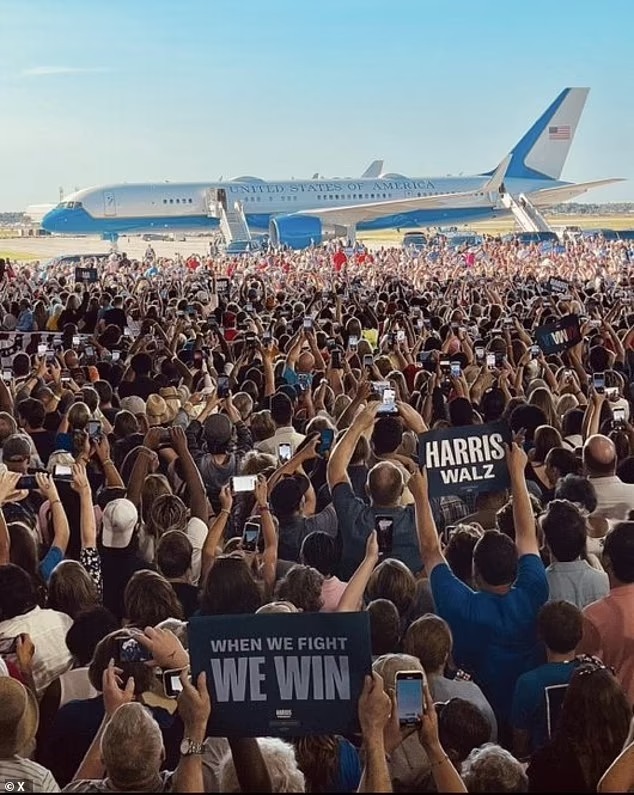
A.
pixel 172 398
pixel 19 717
pixel 158 412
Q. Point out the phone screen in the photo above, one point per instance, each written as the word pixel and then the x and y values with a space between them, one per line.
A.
pixel 368 360
pixel 445 367
pixel 535 351
pixel 479 354
pixel 308 322
pixel 116 355
pixel 7 375
pixel 327 437
pixel 130 650
pixel 42 348
pixel 490 360
pixel 598 382
pixel 76 342
pixel 456 370
pixel 172 683
pixel 353 342
pixel 335 359
pixel 409 697
pixel 223 386
pixel 284 452
pixel 619 416
pixel 400 335
pixel 250 536
pixel 243 483
pixel 62 471
pixel 27 482
pixel 388 402
pixel 94 429
pixel 385 534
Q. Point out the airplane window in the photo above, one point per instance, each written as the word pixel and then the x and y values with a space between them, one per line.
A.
pixel 171 201
pixel 191 201
pixel 178 201
pixel 371 195
pixel 164 201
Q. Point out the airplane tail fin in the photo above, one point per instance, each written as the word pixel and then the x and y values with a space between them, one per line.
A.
pixel 373 170
pixel 543 150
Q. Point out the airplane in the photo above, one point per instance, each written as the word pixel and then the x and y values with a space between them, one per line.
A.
pixel 300 213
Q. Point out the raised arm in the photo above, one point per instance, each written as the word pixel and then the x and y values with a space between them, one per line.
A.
pixel 8 493
pixel 523 518
pixel 352 598
pixel 216 531
pixel 428 540
pixel 374 713
pixel 344 449
pixel 61 530
pixel 191 475
pixel 269 556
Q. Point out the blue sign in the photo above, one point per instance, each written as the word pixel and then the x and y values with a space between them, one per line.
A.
pixel 289 674
pixel 559 336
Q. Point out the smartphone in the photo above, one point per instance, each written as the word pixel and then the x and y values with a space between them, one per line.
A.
pixel 127 332
pixel 400 335
pixel 612 392
pixel 129 650
pixel 308 323
pixel 198 359
pixel 172 683
pixel 7 375
pixel 284 452
pixel 410 697
pixel 116 355
pixel 420 324
pixel 447 533
pixel 385 534
pixel 94 429
pixel 76 341
pixel 305 381
pixel 42 349
pixel 335 360
pixel 243 483
pixel 456 370
pixel 28 482
pixel 368 360
pixel 491 361
pixel 326 438
pixel 388 402
pixel 619 417
pixel 8 646
pixel 479 354
pixel 267 339
pixel 223 386
pixel 353 342
pixel 598 382
pixel 62 471
pixel 535 351
pixel 90 351
pixel 250 536
pixel 222 286
pixel 445 367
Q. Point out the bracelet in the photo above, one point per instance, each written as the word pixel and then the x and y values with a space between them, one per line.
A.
pixel 224 510
pixel 108 461
pixel 439 762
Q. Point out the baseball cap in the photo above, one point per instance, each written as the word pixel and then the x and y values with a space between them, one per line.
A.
pixel 118 522
pixel 133 404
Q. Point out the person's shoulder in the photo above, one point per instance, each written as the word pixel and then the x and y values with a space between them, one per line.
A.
pixel 87 785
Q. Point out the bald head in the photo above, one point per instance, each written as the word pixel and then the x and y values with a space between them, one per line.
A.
pixel 599 456
pixel 306 362
pixel 385 484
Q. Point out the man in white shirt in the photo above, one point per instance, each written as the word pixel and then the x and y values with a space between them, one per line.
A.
pixel 282 414
pixel 20 613
pixel 615 499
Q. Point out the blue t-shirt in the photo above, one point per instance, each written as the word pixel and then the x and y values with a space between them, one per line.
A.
pixel 50 560
pixel 529 702
pixel 495 636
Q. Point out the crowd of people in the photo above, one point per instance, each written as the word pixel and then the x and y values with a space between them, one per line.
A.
pixel 131 400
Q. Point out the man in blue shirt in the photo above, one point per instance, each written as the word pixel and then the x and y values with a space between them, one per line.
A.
pixel 494 627
pixel 560 626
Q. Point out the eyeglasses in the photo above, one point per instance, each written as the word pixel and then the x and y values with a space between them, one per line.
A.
pixel 589 664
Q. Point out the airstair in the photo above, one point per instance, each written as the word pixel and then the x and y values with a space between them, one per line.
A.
pixel 233 222
pixel 526 214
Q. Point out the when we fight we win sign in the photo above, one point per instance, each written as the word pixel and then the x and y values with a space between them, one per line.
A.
pixel 469 458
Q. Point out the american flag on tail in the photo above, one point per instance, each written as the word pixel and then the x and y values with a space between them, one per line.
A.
pixel 561 133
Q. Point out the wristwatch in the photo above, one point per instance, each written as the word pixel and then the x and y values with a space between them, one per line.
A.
pixel 190 748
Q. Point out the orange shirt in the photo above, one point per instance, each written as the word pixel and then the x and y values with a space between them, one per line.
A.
pixel 608 632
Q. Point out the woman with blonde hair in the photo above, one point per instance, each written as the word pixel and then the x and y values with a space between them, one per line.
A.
pixel 542 398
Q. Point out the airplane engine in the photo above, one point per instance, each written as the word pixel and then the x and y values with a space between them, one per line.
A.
pixel 296 231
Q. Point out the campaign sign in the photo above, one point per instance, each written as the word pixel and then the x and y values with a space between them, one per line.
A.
pixel 289 674
pixel 469 458
pixel 560 286
pixel 86 275
pixel 559 336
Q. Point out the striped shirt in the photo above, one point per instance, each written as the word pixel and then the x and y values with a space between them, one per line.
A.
pixel 35 777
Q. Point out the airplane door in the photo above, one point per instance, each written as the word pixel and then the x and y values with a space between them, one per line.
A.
pixel 222 197
pixel 109 203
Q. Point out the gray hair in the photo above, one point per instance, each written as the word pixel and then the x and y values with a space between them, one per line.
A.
pixel 132 747
pixel 493 769
pixel 279 758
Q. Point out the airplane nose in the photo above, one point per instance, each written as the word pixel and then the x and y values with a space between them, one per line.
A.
pixel 54 220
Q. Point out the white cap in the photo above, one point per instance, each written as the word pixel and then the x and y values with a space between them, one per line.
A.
pixel 119 519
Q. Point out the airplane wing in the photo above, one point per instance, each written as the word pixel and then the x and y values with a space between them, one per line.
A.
pixel 355 214
pixel 373 171
pixel 548 196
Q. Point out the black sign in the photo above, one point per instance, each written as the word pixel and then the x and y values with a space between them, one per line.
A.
pixel 275 675
pixel 559 336
pixel 470 458
pixel 86 275
pixel 560 286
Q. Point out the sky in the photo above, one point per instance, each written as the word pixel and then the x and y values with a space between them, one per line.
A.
pixel 106 91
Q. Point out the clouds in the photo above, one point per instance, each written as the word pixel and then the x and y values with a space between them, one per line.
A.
pixel 48 71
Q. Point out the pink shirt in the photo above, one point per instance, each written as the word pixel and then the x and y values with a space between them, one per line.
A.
pixel 608 632
pixel 331 592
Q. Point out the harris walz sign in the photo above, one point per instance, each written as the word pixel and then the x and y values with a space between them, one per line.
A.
pixel 468 458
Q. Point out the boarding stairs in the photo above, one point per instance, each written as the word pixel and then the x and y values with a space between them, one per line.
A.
pixel 233 222
pixel 526 214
